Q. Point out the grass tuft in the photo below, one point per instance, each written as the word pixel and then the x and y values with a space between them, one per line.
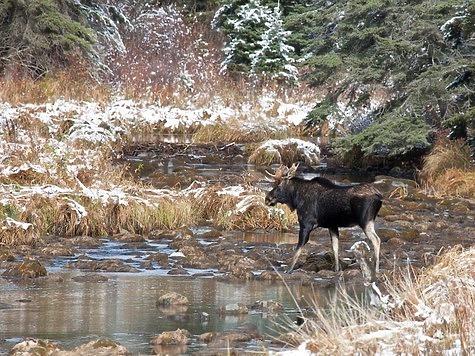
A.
pixel 448 170
pixel 430 311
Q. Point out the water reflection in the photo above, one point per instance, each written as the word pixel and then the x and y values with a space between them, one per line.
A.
pixel 124 308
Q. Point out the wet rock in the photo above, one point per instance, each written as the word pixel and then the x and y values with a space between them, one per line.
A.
pixel 386 234
pixel 86 242
pixel 195 257
pixel 54 278
pixel 417 206
pixel 265 256
pixel 239 266
pixel 101 347
pixel 92 278
pixel 178 271
pixel 182 240
pixel 108 265
pixel 396 242
pixel 234 309
pixel 58 251
pixel 35 347
pixel 230 278
pixel 211 234
pixel 159 258
pixel 177 337
pixel 231 339
pixel 136 246
pixel 172 350
pixel 172 298
pixel 319 261
pixel 206 338
pixel 26 269
pixel 147 265
pixel 268 306
pixel 385 211
pixel 162 235
pixel 127 236
pixel 460 207
pixel 353 277
pixel 6 256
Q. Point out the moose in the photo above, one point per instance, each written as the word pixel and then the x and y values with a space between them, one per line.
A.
pixel 321 203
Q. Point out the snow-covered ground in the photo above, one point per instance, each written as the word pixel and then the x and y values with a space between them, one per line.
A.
pixel 61 151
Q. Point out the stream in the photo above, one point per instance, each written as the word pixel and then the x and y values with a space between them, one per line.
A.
pixel 72 307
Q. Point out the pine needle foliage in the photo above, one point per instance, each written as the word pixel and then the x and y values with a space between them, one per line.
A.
pixel 421 51
pixel 40 35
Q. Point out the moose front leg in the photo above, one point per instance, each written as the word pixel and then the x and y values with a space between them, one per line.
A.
pixel 304 234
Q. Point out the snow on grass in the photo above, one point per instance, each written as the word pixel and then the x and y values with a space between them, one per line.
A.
pixel 60 153
pixel 433 314
pixel 286 152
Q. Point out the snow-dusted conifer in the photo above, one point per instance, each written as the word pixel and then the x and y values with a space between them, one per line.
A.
pixel 273 54
pixel 243 22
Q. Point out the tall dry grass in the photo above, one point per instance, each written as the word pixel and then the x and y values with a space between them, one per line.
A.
pixel 449 170
pixel 76 82
pixel 430 311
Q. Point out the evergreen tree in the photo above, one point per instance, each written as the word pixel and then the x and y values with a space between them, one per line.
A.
pixel 257 39
pixel 273 54
pixel 38 36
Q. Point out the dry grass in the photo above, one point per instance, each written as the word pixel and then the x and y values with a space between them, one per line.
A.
pixel 448 170
pixel 285 152
pixel 75 82
pixel 432 311
pixel 235 130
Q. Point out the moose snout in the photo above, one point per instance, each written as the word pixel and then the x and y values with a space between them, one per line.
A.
pixel 270 201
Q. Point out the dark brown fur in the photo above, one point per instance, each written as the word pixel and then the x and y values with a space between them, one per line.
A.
pixel 321 203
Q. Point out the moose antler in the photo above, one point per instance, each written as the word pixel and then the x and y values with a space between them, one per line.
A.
pixel 283 172
pixel 292 171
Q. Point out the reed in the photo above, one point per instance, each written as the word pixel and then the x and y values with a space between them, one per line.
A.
pixel 430 310
pixel 448 170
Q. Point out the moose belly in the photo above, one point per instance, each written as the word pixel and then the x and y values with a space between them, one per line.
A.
pixel 336 219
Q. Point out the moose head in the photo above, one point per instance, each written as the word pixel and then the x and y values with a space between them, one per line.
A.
pixel 280 179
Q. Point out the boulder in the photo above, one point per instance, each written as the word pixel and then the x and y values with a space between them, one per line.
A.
pixel 172 298
pixel 177 337
pixel 26 269
pixel 319 261
pixel 234 309
pixel 100 347
pixel 268 306
pixel 35 347
pixel 107 265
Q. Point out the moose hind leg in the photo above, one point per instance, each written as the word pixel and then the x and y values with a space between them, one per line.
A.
pixel 335 236
pixel 375 241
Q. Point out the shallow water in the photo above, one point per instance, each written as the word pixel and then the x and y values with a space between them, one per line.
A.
pixel 124 309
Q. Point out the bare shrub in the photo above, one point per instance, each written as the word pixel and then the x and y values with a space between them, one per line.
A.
pixel 167 54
